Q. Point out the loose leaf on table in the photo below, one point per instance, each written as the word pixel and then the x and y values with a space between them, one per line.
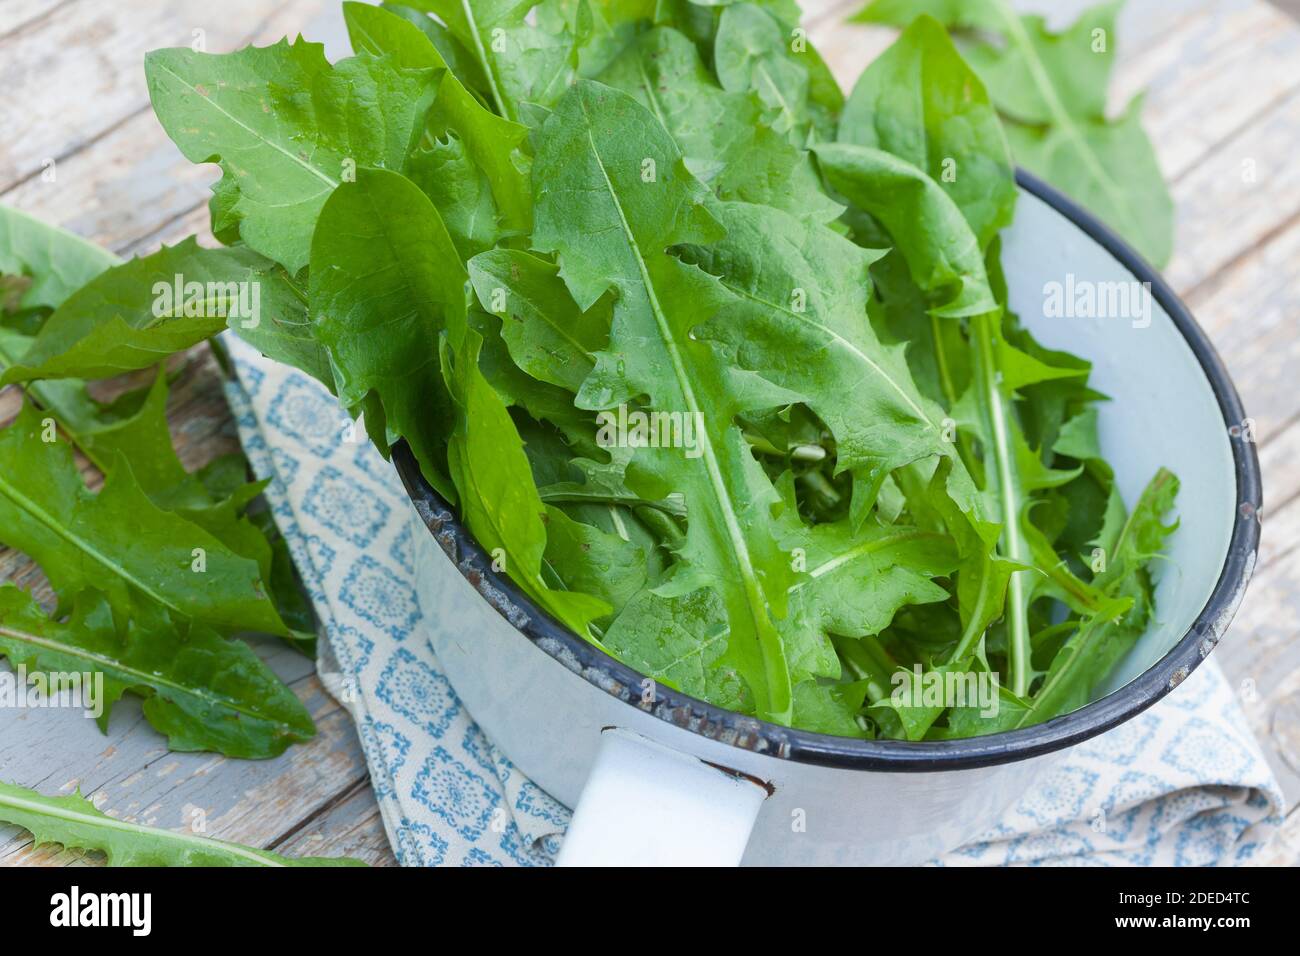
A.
pixel 287 128
pixel 1052 89
pixel 89 424
pixel 610 222
pixel 140 436
pixel 56 262
pixel 74 822
pixel 135 314
pixel 100 430
pixel 386 280
pixel 134 425
pixel 204 691
pixel 1108 167
pixel 228 508
pixel 118 541
pixel 134 428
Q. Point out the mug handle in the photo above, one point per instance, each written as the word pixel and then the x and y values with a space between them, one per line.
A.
pixel 645 804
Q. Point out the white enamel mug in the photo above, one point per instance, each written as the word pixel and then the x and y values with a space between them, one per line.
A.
pixel 663 778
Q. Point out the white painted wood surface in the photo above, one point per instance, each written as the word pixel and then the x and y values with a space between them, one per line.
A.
pixel 1223 99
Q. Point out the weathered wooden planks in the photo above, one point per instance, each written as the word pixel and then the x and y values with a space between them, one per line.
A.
pixel 122 183
pixel 1209 70
pixel 349 827
pixel 254 802
pixel 76 73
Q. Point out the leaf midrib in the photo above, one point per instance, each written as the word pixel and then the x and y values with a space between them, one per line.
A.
pixel 807 319
pixel 27 505
pixel 1064 121
pixel 254 133
pixel 651 93
pixel 867 547
pixel 761 69
pixel 489 66
pixel 147 679
pixel 547 319
pixel 735 535
pixel 1008 501
pixel 106 822
pixel 697 649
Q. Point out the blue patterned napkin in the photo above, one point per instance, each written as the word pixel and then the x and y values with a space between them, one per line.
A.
pixel 1182 784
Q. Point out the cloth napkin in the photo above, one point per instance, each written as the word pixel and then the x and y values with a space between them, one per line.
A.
pixel 1182 784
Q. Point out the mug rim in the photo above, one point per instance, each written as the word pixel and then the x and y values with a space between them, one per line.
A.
pixel 804 746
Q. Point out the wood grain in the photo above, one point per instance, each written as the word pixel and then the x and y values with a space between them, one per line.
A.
pixel 1209 71
pixel 121 182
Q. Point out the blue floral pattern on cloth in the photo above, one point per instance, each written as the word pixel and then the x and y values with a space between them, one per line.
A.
pixel 1182 784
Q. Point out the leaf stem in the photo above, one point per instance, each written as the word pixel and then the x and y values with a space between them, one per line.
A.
pixel 777 698
pixel 488 71
pixel 1002 483
pixel 102 821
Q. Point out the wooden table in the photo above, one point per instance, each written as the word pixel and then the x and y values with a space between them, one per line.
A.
pixel 79 147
